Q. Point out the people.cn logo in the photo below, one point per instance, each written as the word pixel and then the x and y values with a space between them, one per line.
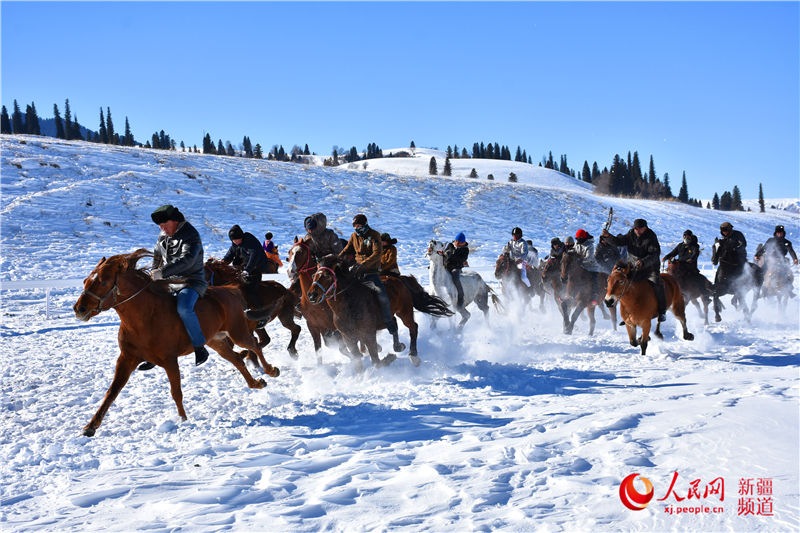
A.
pixel 632 498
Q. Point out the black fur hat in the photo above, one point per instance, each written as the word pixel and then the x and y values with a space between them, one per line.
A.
pixel 165 213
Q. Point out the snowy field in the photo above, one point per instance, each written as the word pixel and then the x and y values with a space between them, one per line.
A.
pixel 508 425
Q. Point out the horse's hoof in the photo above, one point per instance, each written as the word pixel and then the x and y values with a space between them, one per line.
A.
pixel 688 336
pixel 262 382
pixel 147 365
pixel 415 360
pixel 388 360
pixel 275 372
pixel 659 335
pixel 293 354
pixel 717 318
pixel 88 432
pixel 399 347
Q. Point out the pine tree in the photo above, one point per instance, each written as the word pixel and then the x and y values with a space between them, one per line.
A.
pixel 512 178
pixel 595 171
pixel 736 199
pixel 447 171
pixel 667 188
pixel 412 145
pixel 59 123
pixel 432 167
pixel 103 132
pixel 257 153
pixel 220 148
pixel 76 130
pixel 229 149
pixel 760 194
pixel 586 174
pixel 110 127
pixel 464 154
pixel 5 121
pixel 306 151
pixel 128 139
pixel 32 120
pixel 68 128
pixel 683 194
pixel 725 201
pixel 17 122
pixel 183 147
pixel 336 155
pixel 652 172
pixel 715 202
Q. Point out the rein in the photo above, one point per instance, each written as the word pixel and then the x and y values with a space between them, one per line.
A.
pixel 113 292
pixel 332 286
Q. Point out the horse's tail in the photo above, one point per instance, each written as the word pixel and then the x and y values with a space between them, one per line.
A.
pixel 422 301
pixel 498 304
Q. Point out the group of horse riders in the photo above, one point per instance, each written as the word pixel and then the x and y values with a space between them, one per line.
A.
pixel 179 252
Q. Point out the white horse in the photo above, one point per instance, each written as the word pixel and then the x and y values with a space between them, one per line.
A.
pixel 441 284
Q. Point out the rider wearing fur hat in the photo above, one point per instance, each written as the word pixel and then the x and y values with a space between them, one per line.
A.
pixel 389 256
pixel 686 251
pixel 644 252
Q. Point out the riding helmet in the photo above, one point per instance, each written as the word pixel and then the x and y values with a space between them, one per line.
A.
pixel 516 232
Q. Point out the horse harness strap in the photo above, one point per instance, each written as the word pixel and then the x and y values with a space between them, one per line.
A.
pixel 114 292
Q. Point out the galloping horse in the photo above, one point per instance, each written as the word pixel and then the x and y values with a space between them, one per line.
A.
pixel 319 318
pixel 578 289
pixel 696 288
pixel 475 289
pixel 356 311
pixel 551 277
pixel 276 300
pixel 151 330
pixel 507 272
pixel 778 281
pixel 736 280
pixel 638 305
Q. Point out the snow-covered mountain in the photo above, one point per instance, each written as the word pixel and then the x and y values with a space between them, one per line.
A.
pixel 508 425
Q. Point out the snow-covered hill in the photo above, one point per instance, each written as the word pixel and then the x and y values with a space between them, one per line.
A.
pixel 507 426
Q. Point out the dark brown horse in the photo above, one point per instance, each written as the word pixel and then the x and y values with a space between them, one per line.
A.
pixel 696 288
pixel 151 330
pixel 505 270
pixel 356 311
pixel 319 318
pixel 578 291
pixel 638 305
pixel 551 277
pixel 278 302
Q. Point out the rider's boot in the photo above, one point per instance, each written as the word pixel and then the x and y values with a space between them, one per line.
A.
pixel 661 300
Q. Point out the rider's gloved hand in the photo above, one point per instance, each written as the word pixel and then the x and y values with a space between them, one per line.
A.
pixel 156 274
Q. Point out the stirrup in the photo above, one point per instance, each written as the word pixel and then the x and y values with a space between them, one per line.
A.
pixel 147 365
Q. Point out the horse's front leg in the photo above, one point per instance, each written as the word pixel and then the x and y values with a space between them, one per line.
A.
pixel 223 347
pixel 126 364
pixel 592 321
pixel 645 338
pixel 632 334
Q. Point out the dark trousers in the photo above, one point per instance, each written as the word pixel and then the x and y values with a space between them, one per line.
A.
pixel 250 291
pixel 456 275
pixel 383 300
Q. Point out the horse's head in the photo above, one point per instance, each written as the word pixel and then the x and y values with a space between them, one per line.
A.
pixel 618 282
pixel 219 272
pixel 502 265
pixel 325 280
pixel 568 260
pixel 433 247
pixel 300 260
pixel 101 286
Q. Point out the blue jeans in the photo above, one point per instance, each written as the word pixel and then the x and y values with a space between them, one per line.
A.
pixel 187 297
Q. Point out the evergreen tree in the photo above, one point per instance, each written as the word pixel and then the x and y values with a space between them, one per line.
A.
pixel 464 154
pixel 549 163
pixel 220 147
pixel 103 132
pixel 17 122
pixel 595 171
pixel 183 147
pixel 455 151
pixel 128 139
pixel 667 188
pixel 412 145
pixel 229 149
pixel 155 142
pixel 518 156
pixel 432 167
pixel 448 152
pixel 683 194
pixel 247 146
pixel 59 123
pixel 715 202
pixel 336 155
pixel 586 174
pixel 110 128
pixel 473 174
pixel 5 121
pixel 76 130
pixel 208 145
pixel 447 171
pixel 652 172
pixel 760 189
pixel 490 151
pixel 257 153
pixel 725 201
pixel 736 199
pixel 32 120
pixel 68 128
pixel 476 151
pixel 306 151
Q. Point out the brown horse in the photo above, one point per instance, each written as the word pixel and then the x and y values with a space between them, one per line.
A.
pixel 696 288
pixel 551 277
pixel 319 318
pixel 276 299
pixel 505 270
pixel 578 290
pixel 638 305
pixel 151 330
pixel 356 311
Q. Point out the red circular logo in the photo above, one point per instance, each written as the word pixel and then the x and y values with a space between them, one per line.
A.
pixel 632 498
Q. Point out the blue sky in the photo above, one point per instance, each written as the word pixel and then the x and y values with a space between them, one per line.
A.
pixel 706 88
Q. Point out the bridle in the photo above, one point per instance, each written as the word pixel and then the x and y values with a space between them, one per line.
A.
pixel 627 284
pixel 307 266
pixel 331 288
pixel 114 293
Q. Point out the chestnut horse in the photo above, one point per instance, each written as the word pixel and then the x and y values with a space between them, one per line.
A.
pixel 276 300
pixel 578 290
pixel 696 288
pixel 151 330
pixel 356 311
pixel 505 270
pixel 319 318
pixel 638 305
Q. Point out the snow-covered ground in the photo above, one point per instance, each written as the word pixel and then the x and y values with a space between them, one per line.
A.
pixel 508 425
